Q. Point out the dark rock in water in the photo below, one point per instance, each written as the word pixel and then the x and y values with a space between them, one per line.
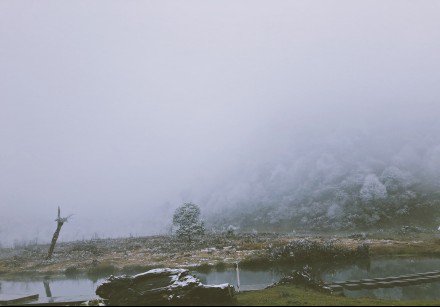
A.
pixel 303 277
pixel 163 287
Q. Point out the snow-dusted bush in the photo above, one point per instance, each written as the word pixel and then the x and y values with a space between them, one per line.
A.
pixel 187 221
pixel 372 189
pixel 395 179
pixel 231 230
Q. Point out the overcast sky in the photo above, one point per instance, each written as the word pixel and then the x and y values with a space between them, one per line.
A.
pixel 119 110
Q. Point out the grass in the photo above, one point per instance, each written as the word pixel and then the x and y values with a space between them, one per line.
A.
pixel 287 295
pixel 424 248
pixel 256 262
pixel 305 251
pixel 102 270
pixel 254 251
pixel 71 271
pixel 221 266
pixel 204 268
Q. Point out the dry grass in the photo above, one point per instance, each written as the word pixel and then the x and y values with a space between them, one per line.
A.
pixel 167 252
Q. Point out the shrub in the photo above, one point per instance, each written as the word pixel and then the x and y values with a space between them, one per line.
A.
pixel 187 220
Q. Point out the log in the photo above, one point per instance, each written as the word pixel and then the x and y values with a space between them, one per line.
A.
pixel 17 299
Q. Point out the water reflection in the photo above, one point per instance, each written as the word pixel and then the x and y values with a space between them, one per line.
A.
pixel 390 267
pixel 52 290
pixel 48 291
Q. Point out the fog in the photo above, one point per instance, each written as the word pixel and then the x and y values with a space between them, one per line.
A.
pixel 119 111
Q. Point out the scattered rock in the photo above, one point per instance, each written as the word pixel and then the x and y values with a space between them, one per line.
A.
pixel 163 287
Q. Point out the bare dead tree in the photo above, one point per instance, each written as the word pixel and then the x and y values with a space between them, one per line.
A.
pixel 60 222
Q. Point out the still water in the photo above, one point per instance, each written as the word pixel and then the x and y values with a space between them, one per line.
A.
pixel 52 290
pixel 83 288
pixel 390 267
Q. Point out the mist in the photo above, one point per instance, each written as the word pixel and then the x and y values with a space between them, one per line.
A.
pixel 120 111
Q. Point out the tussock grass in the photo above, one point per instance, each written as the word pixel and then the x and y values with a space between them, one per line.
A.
pixel 102 270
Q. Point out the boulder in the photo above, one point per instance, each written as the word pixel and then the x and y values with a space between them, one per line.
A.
pixel 163 287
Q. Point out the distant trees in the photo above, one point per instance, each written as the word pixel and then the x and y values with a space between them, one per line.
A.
pixel 363 198
pixel 372 189
pixel 187 221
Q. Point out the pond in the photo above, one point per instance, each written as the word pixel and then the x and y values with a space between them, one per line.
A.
pixel 390 267
pixel 52 290
pixel 259 279
pixel 255 280
pixel 82 288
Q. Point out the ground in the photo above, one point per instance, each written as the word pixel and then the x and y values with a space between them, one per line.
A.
pixel 132 255
pixel 299 296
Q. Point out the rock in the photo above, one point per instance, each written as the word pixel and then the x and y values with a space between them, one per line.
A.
pixel 303 277
pixel 163 287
